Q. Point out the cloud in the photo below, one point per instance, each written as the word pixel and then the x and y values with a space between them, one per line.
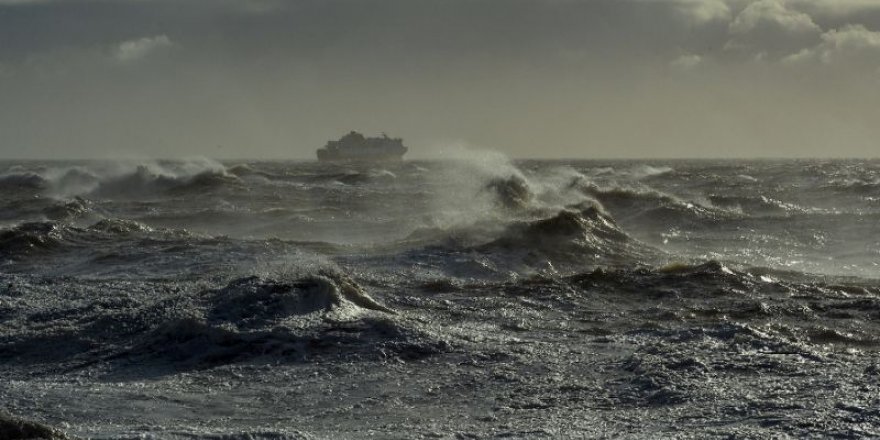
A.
pixel 835 8
pixel 850 45
pixel 772 14
pixel 686 62
pixel 701 12
pixel 76 60
pixel 770 27
pixel 134 50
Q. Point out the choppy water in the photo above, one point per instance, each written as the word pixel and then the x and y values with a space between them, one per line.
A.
pixel 472 298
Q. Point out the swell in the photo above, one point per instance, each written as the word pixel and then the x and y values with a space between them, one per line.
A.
pixel 762 309
pixel 646 205
pixel 250 319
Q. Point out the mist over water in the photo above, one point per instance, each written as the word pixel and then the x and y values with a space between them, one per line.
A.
pixel 465 294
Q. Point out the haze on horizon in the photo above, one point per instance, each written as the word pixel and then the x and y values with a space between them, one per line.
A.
pixel 530 78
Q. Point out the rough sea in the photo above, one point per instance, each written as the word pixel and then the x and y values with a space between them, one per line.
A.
pixel 452 299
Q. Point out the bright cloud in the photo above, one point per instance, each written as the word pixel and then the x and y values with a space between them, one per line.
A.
pixel 133 50
pixel 769 28
pixel 852 44
pixel 703 11
pixel 772 15
pixel 835 8
pixel 686 62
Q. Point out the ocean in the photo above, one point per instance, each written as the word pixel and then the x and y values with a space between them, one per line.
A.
pixel 473 297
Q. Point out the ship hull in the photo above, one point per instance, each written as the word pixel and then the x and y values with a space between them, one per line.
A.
pixel 325 156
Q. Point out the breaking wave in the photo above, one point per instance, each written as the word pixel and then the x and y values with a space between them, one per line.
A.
pixel 587 225
pixel 512 192
pixel 125 179
pixel 148 181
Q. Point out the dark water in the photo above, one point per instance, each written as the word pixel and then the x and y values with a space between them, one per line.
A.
pixel 475 298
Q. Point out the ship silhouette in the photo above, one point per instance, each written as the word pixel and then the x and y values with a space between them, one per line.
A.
pixel 356 147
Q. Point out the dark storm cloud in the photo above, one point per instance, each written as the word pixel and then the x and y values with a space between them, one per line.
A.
pixel 587 77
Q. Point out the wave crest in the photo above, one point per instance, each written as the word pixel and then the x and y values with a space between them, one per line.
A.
pixel 148 181
pixel 572 236
pixel 116 179
pixel 512 192
pixel 30 237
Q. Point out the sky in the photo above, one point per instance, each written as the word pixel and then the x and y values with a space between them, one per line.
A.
pixel 530 78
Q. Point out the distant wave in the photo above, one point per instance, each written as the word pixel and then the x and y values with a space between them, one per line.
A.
pixel 146 181
pixel 645 205
pixel 22 181
pixel 860 186
pixel 242 170
pixel 125 179
pixel 73 181
pixel 62 181
pixel 40 208
pixel 644 171
pixel 356 178
pixel 756 205
pixel 37 238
